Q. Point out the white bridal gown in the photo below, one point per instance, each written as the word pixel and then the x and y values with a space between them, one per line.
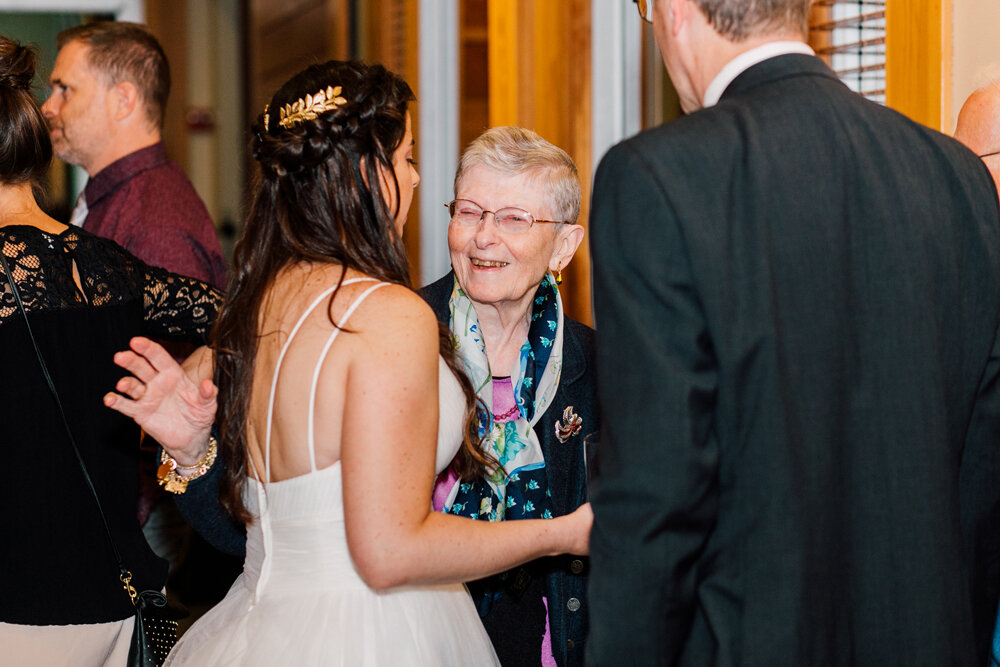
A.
pixel 300 601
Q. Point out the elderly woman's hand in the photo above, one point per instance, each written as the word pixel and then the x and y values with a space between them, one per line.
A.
pixel 581 520
pixel 174 405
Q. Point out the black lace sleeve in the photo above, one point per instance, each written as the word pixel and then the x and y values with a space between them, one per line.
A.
pixel 177 307
pixel 174 307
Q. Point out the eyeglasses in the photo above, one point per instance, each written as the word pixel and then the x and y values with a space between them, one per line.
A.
pixel 509 220
pixel 645 8
pixel 989 154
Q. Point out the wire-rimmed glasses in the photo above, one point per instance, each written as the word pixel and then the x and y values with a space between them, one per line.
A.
pixel 510 220
pixel 645 8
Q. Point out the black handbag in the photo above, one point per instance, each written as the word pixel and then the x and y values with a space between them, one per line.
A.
pixel 155 629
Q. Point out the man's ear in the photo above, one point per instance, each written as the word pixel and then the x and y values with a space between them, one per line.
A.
pixel 124 99
pixel 677 14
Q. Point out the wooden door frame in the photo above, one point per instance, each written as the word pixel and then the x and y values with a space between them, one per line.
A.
pixel 919 60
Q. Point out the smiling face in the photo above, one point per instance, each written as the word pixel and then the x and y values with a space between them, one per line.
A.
pixel 407 177
pixel 500 269
pixel 80 120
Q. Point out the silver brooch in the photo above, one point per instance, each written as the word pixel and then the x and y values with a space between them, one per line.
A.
pixel 569 425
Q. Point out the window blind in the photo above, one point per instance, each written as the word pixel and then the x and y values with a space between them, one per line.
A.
pixel 850 36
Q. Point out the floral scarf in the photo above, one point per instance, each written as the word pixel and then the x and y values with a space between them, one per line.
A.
pixel 518 490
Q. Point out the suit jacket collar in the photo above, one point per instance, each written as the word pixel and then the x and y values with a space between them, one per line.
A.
pixel 745 61
pixel 438 293
pixel 775 69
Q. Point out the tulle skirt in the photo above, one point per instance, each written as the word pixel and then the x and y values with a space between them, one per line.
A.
pixel 434 626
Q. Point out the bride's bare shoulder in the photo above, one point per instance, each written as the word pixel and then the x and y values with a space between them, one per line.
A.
pixel 375 308
pixel 394 338
pixel 305 279
pixel 394 306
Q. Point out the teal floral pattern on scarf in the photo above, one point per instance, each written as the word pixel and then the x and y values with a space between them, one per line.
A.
pixel 519 489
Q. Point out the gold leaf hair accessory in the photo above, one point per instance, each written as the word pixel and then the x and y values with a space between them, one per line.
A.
pixel 267 118
pixel 311 106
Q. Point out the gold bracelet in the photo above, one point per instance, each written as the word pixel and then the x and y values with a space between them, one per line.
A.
pixel 167 472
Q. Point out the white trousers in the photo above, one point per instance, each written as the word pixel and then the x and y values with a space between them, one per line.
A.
pixel 89 645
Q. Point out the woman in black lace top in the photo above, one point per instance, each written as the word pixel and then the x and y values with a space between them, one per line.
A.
pixel 85 298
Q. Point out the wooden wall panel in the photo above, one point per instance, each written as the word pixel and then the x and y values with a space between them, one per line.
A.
pixel 390 37
pixel 287 36
pixel 818 39
pixel 166 19
pixel 577 114
pixel 473 70
pixel 918 60
pixel 504 54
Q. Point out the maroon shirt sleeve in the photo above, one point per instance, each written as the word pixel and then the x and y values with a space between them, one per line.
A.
pixel 172 248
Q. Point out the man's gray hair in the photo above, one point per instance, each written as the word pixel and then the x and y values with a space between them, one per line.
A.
pixel 516 150
pixel 737 20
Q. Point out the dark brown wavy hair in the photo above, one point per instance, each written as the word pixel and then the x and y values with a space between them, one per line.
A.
pixel 25 147
pixel 312 202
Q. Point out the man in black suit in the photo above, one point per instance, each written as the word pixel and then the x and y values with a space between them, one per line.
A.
pixel 797 295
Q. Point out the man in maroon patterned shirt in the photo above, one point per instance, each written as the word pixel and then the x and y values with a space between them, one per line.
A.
pixel 109 91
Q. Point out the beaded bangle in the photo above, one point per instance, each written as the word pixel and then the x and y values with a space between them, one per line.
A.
pixel 175 483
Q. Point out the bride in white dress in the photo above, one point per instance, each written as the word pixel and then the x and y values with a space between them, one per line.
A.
pixel 333 390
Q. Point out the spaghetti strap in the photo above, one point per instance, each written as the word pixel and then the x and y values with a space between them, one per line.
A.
pixel 319 365
pixel 281 357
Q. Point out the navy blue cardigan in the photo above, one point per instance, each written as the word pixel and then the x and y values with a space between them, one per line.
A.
pixel 565 576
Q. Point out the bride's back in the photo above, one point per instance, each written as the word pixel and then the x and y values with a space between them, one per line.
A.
pixel 317 353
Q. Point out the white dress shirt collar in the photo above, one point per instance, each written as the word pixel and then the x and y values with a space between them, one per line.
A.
pixel 745 61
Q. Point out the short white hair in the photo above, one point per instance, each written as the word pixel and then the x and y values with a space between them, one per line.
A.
pixel 517 150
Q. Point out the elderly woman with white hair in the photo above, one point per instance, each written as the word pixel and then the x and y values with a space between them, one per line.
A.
pixel 513 230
